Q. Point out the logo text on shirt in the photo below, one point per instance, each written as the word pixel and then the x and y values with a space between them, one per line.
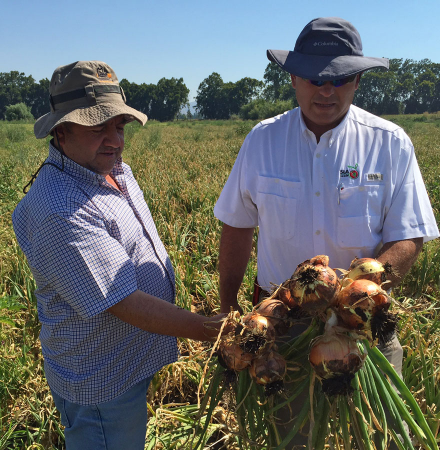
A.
pixel 350 171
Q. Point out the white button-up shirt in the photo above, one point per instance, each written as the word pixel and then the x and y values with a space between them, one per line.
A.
pixel 347 195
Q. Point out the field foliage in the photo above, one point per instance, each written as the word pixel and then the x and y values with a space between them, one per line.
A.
pixel 181 167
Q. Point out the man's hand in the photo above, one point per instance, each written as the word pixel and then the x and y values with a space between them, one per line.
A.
pixel 401 255
pixel 213 326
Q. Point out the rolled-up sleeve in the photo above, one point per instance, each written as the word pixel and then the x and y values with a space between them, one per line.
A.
pixel 410 214
pixel 235 206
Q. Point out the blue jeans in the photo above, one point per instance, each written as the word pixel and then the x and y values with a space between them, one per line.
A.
pixel 118 424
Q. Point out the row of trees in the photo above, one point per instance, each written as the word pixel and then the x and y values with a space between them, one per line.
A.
pixel 409 87
pixel 16 87
pixel 161 101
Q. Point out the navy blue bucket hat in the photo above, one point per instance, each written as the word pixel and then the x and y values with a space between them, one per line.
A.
pixel 328 48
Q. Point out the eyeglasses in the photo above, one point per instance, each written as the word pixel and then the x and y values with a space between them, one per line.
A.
pixel 335 83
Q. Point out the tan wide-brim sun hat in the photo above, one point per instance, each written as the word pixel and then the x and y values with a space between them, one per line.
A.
pixel 86 93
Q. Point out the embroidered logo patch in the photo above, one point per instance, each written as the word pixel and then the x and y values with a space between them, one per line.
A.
pixel 103 73
pixel 350 171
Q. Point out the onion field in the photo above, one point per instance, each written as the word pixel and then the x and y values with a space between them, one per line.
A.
pixel 182 167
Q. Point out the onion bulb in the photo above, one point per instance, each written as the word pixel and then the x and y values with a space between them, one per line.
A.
pixel 335 358
pixel 283 293
pixel 259 324
pixel 314 285
pixel 232 356
pixel 363 305
pixel 369 269
pixel 357 302
pixel 258 333
pixel 269 370
pixel 277 314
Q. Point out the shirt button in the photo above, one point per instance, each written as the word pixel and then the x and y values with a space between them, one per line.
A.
pixel 318 155
pixel 318 232
pixel 317 193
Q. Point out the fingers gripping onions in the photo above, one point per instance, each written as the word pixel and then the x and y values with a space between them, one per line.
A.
pixel 230 353
pixel 285 295
pixel 314 284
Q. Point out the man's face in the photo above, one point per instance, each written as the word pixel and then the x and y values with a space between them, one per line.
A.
pixel 95 148
pixel 323 107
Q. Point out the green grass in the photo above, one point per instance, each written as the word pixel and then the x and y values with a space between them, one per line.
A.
pixel 182 168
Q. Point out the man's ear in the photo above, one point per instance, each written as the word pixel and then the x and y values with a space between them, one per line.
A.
pixel 293 78
pixel 59 136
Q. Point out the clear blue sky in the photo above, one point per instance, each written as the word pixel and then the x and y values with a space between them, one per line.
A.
pixel 146 40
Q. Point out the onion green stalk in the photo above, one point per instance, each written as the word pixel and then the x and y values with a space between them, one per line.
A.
pixel 418 424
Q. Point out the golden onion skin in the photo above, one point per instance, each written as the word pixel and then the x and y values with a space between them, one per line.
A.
pixel 284 294
pixel 335 354
pixel 359 301
pixel 268 368
pixel 277 314
pixel 259 325
pixel 314 285
pixel 233 356
pixel 367 269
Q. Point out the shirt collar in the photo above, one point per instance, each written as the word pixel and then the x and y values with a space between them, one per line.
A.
pixel 77 171
pixel 331 135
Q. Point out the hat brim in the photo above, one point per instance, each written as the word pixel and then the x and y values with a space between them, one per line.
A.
pixel 88 116
pixel 323 68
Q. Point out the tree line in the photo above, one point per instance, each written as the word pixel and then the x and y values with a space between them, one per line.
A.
pixel 409 87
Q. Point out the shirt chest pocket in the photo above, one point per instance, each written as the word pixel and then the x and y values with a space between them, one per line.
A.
pixel 277 201
pixel 360 216
pixel 128 232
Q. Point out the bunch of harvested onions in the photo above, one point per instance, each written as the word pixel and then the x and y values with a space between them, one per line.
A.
pixel 250 343
pixel 357 384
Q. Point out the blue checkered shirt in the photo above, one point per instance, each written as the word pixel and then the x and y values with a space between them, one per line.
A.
pixel 89 246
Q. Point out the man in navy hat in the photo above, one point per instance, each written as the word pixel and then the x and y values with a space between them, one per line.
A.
pixel 325 178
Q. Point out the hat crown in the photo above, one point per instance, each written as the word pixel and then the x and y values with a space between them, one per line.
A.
pixel 80 74
pixel 329 36
pixel 86 93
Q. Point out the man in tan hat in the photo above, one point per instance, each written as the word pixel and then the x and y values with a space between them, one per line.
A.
pixel 325 178
pixel 105 284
